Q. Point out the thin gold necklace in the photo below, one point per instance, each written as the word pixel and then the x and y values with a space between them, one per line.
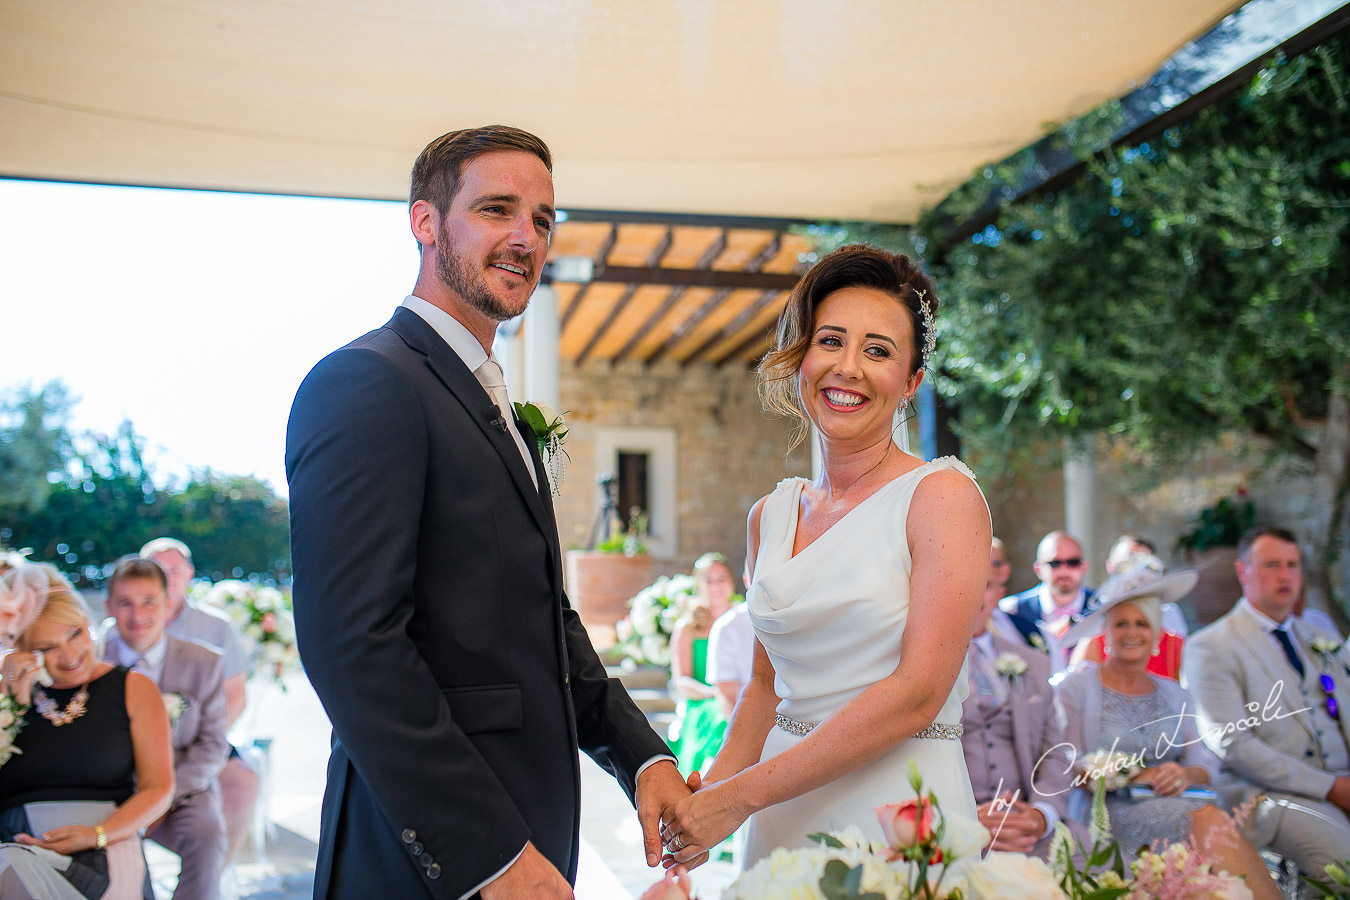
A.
pixel 46 706
pixel 876 465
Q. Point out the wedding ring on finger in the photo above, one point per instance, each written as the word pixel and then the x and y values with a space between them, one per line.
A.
pixel 676 842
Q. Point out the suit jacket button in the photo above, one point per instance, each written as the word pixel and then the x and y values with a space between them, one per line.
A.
pixel 408 835
pixel 434 871
pixel 416 848
pixel 426 859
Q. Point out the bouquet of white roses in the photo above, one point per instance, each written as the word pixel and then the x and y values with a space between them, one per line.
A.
pixel 11 723
pixel 644 636
pixel 263 615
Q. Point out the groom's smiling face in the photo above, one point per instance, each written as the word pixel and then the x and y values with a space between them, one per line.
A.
pixel 493 241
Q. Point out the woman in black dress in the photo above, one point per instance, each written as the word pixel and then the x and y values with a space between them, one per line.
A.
pixel 94 764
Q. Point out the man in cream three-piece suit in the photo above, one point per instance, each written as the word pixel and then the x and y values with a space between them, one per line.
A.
pixel 1272 695
pixel 1013 740
pixel 194 826
pixel 429 602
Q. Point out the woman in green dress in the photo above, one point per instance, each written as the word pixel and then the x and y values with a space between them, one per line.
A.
pixel 696 734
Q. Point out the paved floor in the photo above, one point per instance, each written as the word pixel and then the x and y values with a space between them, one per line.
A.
pixel 280 864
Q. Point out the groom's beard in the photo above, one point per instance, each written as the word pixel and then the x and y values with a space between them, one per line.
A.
pixel 457 273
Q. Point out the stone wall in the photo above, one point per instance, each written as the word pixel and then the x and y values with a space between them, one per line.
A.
pixel 1153 500
pixel 728 452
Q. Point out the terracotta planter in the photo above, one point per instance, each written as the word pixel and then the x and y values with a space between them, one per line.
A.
pixel 1218 588
pixel 599 585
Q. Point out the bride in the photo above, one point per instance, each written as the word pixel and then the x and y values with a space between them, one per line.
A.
pixel 865 583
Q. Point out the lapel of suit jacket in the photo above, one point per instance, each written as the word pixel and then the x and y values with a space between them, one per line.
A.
pixel 1019 689
pixel 450 370
pixel 1263 647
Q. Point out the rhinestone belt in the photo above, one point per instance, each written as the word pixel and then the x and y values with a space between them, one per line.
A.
pixel 935 732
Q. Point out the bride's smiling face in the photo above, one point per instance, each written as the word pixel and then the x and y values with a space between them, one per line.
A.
pixel 858 363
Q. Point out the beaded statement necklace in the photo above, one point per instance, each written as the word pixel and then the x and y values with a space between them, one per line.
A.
pixel 46 706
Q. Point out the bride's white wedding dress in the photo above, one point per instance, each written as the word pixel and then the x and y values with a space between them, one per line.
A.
pixel 831 619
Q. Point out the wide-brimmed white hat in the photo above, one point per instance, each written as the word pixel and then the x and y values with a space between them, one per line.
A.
pixel 1139 576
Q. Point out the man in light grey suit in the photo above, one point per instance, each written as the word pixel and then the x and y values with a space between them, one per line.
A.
pixel 191 676
pixel 1271 691
pixel 1014 738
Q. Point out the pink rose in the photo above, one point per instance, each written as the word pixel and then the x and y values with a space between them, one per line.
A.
pixel 269 623
pixel 908 824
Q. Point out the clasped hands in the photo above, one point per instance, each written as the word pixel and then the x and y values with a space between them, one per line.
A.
pixel 1016 825
pixel 1166 779
pixel 693 826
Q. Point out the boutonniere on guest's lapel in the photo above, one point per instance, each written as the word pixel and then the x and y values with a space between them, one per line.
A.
pixel 1038 642
pixel 1327 650
pixel 550 430
pixel 1010 666
pixel 174 705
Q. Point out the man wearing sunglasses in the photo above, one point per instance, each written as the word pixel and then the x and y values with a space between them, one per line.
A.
pixel 1271 691
pixel 1043 613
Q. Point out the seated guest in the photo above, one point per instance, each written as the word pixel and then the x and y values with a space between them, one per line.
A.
pixel 1128 545
pixel 1259 662
pixel 1089 645
pixel 1122 707
pixel 696 735
pixel 239 784
pixel 1043 613
pixel 1000 569
pixel 22 589
pixel 94 765
pixel 190 676
pixel 1013 740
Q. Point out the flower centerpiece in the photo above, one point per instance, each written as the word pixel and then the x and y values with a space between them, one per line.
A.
pixel 263 615
pixel 644 636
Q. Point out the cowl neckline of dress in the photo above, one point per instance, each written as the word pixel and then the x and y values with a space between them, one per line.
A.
pixel 797 509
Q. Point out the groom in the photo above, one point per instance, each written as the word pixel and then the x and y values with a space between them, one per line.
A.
pixel 428 584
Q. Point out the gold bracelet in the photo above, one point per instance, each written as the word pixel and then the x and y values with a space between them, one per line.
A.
pixel 100 837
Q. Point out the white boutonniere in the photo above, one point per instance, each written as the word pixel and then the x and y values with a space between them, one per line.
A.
pixel 1038 642
pixel 1327 650
pixel 1010 666
pixel 174 704
pixel 550 431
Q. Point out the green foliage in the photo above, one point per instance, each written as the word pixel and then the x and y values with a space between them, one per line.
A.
pixel 1219 525
pixel 844 882
pixel 1183 287
pixel 81 501
pixel 1337 883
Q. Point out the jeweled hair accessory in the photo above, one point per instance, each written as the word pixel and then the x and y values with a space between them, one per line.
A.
pixel 929 328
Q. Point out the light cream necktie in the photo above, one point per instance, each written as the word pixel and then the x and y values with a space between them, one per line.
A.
pixel 490 376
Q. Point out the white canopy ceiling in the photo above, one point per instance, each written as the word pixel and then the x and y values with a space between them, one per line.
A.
pixel 853 109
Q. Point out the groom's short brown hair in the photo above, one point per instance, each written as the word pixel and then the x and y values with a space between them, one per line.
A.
pixel 436 174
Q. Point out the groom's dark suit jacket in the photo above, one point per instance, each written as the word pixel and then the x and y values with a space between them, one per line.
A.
pixel 433 625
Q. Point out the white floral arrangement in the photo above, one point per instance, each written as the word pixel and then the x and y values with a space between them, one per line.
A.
pixel 644 636
pixel 11 723
pixel 550 431
pixel 1010 666
pixel 263 615
pixel 927 856
pixel 1113 767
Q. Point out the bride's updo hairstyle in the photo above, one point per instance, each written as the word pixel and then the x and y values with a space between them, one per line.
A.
pixel 854 265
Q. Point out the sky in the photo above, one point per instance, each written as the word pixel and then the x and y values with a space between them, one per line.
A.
pixel 193 314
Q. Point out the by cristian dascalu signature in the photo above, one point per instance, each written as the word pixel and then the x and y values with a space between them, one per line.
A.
pixel 1258 713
